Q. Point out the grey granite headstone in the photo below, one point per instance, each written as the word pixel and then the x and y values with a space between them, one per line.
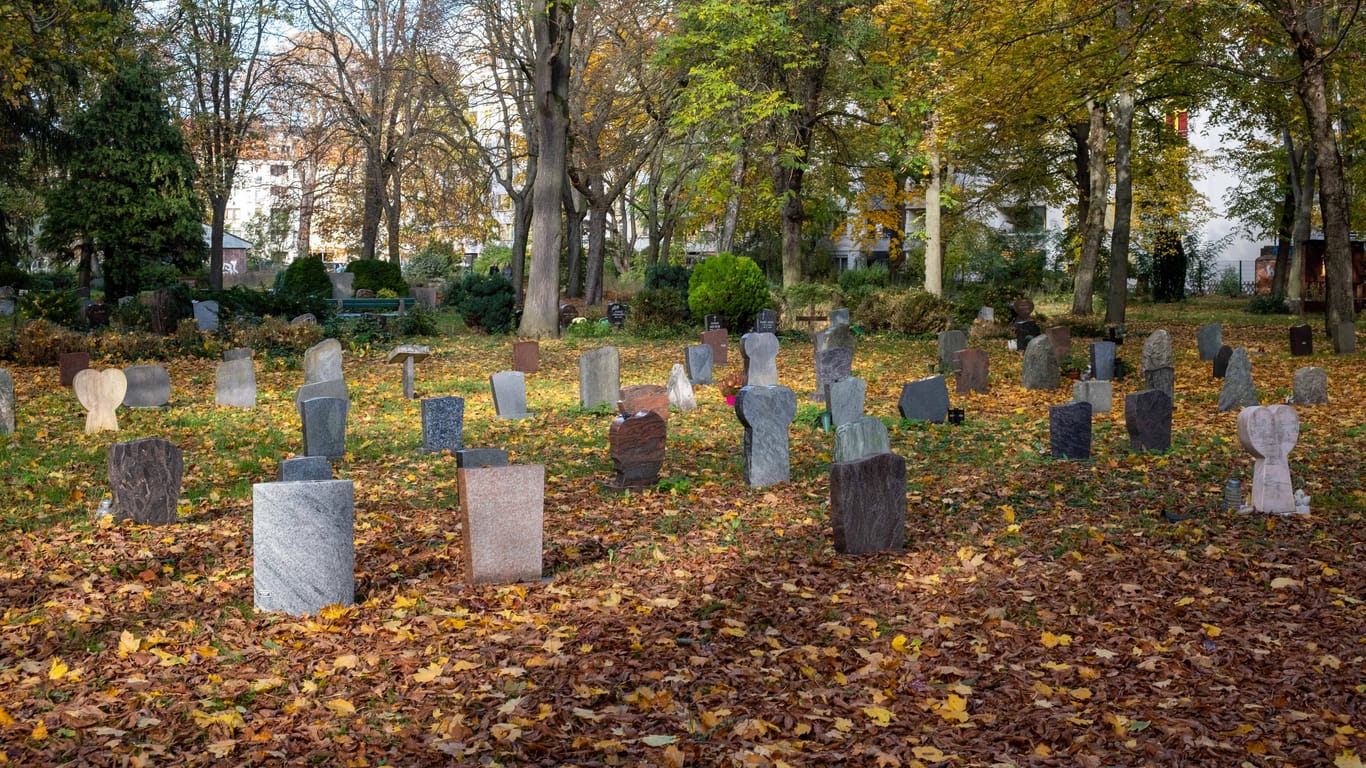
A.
pixel 760 351
pixel 680 390
pixel 1208 339
pixel 1301 341
pixel 474 458
pixel 408 355
pixel 443 424
pixel 971 371
pixel 235 383
pixel 699 359
pixel 149 386
pixel 925 399
pixel 599 377
pixel 1099 393
pixel 950 342
pixel 1069 431
pixel 1221 358
pixel 206 315
pixel 868 504
pixel 636 443
pixel 7 307
pixel 1148 419
pixel 1238 391
pixel 237 353
pixel 144 479
pixel 509 394
pixel 834 356
pixel 844 400
pixel 503 515
pixel 301 468
pixel 1040 369
pixel 1157 351
pixel 863 437
pixel 1311 386
pixel 323 362
pixel 840 316
pixel 330 388
pixel 1163 379
pixel 303 545
pixel 1345 340
pixel 766 413
pixel 1102 360
pixel 7 423
pixel 343 284
pixel 324 426
pixel 986 314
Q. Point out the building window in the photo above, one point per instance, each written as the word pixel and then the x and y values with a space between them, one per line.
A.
pixel 279 169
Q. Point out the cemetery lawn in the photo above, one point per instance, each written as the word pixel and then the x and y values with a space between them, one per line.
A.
pixel 1043 612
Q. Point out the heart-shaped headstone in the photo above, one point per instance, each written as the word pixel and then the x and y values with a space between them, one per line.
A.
pixel 101 393
pixel 1268 433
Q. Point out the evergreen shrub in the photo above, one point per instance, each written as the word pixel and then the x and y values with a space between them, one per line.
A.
pixel 485 302
pixel 730 286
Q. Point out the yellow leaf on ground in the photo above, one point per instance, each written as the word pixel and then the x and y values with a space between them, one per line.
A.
pixel 341 707
pixel 39 731
pixel 878 715
pixel 1284 582
pixel 58 669
pixel 430 672
pixel 1051 640
pixel 674 757
pixel 1211 630
pixel 349 661
pixel 1348 759
pixel 5 720
pixel 222 748
pixel 128 643
pixel 954 709
pixel 931 754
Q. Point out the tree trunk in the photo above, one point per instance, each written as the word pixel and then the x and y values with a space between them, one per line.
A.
pixel 521 232
pixel 730 219
pixel 1094 225
pixel 308 183
pixel 1304 209
pixel 85 265
pixel 597 240
pixel 626 254
pixel 573 247
pixel 393 218
pixel 1284 235
pixel 934 235
pixel 218 210
pixel 1117 299
pixel 371 205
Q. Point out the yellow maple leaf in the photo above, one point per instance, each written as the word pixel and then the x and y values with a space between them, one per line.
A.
pixel 1348 759
pixel 430 672
pixel 1051 640
pixel 5 720
pixel 58 669
pixel 878 715
pixel 463 666
pixel 341 707
pixel 954 709
pixel 128 643
pixel 39 731
pixel 930 754
pixel 1211 630
pixel 899 643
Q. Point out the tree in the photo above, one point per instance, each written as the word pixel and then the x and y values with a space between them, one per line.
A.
pixel 128 183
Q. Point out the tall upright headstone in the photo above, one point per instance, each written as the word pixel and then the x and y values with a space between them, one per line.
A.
pixel 760 352
pixel 1310 386
pixel 1102 360
pixel 834 353
pixel 324 427
pixel 144 479
pixel 235 383
pixel 636 442
pixel 1159 362
pixel 644 397
pixel 844 400
pixel 1069 430
pixel 526 356
pixel 7 409
pixel 101 393
pixel 1269 433
pixel 1208 339
pixel 680 390
pixel 766 412
pixel 699 359
pixel 971 367
pixel 303 545
pixel 766 321
pixel 149 386
pixel 503 514
pixel 509 394
pixel 443 424
pixel 925 399
pixel 1148 420
pixel 323 362
pixel 1345 340
pixel 950 343
pixel 206 315
pixel 1040 369
pixel 1238 391
pixel 1220 365
pixel 599 377
pixel 868 504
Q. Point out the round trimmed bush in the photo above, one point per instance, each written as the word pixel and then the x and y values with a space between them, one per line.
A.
pixel 485 301
pixel 305 278
pixel 730 286
pixel 377 275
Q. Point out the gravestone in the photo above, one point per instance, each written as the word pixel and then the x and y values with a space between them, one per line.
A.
pixel 766 321
pixel 986 314
pixel 841 316
pixel 1269 433
pixel 144 479
pixel 599 377
pixel 100 393
pixel 699 359
pixel 971 367
pixel 330 388
pixel 305 468
pixel 1099 393
pixel 98 314
pixel 70 364
pixel 766 412
pixel 1208 339
pixel 303 545
pixel 323 362
pixel 474 458
pixel 1345 340
pixel 149 386
pixel 1221 358
pixel 760 352
pixel 443 424
pixel 680 389
pixel 951 342
pixel 636 442
pixel 7 422
pixel 1148 419
pixel 365 293
pixel 1157 351
pixel 509 394
pixel 324 426
pixel 1238 391
pixel 409 355
pixel 1022 308
pixel 719 341
pixel 1069 431
pixel 237 353
pixel 712 323
pixel 206 315
pixel 1040 369
pixel 343 284
pixel 568 314
pixel 7 306
pixel 503 514
pixel 616 314
pixel 1102 355
pixel 1311 386
pixel 235 383
pixel 844 401
pixel 1025 330
pixel 1301 341
pixel 925 399
pixel 425 296
pixel 1163 379
pixel 526 356
pixel 834 357
pixel 1061 337
pixel 644 397
pixel 868 504
pixel 863 437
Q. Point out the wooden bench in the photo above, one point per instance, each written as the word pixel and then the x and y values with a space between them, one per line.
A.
pixel 357 307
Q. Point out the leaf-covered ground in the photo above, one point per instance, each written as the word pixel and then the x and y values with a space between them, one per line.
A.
pixel 1042 613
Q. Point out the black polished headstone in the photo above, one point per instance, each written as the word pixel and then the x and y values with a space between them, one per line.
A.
pixel 1069 430
pixel 1148 419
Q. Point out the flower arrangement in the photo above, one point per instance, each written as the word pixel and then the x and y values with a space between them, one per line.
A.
pixel 731 383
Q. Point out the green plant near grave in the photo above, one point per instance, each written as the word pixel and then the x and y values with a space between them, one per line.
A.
pixel 657 313
pixel 305 279
pixel 730 286
pixel 60 307
pixel 909 312
pixel 485 302
pixel 377 275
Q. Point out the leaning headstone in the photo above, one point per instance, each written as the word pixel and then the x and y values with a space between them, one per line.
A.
pixel 409 355
pixel 636 442
pixel 1311 386
pixel 1061 336
pixel 323 362
pixel 149 386
pixel 863 437
pixel 474 458
pixel 237 353
pixel 951 342
pixel 1221 358
pixel 680 389
pixel 1040 369
pixel 1099 393
pixel 1345 340
pixel 526 356
pixel 324 427
pixel 330 388
pixel 844 401
pixel 509 394
pixel 6 403
pixel 599 377
pixel 1102 360
pixel 766 412
pixel 1269 433
pixel 206 315
pixel 925 399
pixel 868 504
pixel 1025 330
pixel 70 364
pixel 503 514
pixel 766 321
pixel 834 357
pixel 303 545
pixel 760 352
pixel 1209 338
pixel 971 367
pixel 443 424
pixel 699 359
pixel 144 479
pixel 1148 419
pixel 719 341
pixel 644 397
pixel 101 393
pixel 305 468
pixel 235 383
pixel 1301 341
pixel 1238 391
pixel 1069 431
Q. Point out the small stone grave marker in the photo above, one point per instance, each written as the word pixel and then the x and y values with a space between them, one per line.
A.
pixel 305 468
pixel 503 512
pixel 343 284
pixel 409 355
pixel 1069 431
pixel 1238 391
pixel 599 377
pixel 303 544
pixel 760 351
pixel 636 443
pixel 1301 341
pixel 235 383
pixel 1040 368
pixel 680 390
pixel 206 315
pixel 925 399
pixel 526 356
pixel 863 437
pixel 766 321
pixel 324 426
pixel 443 424
pixel 97 314
pixel 1221 358
pixel 712 323
pixel 7 421
pixel 868 504
pixel 766 412
pixel 70 364
pixel 616 314
pixel 644 397
pixel 144 479
pixel 1061 338
pixel 1102 360
pixel 1269 433
pixel 509 394
pixel 1026 330
pixel 1208 340
pixel 844 400
pixel 237 353
pixel 1099 393
pixel 101 393
pixel 1310 386
pixel 834 357
pixel 149 386
pixel 699 368
pixel 1148 419
pixel 719 341
pixel 568 313
pixel 1345 340
pixel 951 342
pixel 323 362
pixel 474 458
pixel 970 369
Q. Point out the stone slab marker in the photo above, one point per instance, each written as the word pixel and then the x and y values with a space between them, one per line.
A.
pixel 324 427
pixel 443 424
pixel 509 394
pixel 206 315
pixel 303 545
pixel 330 388
pixel 766 413
pixel 1269 433
pixel 834 356
pixel 719 341
pixel 305 468
pixel 1311 386
pixel 70 364
pixel 474 458
pixel 636 444
pixel 1061 336
pixel 1102 355
pixel 760 352
pixel 950 343
pixel 235 383
pixel 1301 341
pixel 323 362
pixel 644 397
pixel 1221 358
pixel 863 437
pixel 144 479
pixel 1100 394
pixel 526 356
pixel 1159 362
pixel 766 321
pixel 503 511
pixel 237 353
pixel 971 368
pixel 1069 431
pixel 1345 340
pixel 101 393
pixel 149 386
pixel 925 399
pixel 1148 419
pixel 1025 330
pixel 680 390
pixel 599 377
pixel 343 284
pixel 699 363
pixel 868 504
pixel 844 400
pixel 1040 369
pixel 409 355
pixel 7 408
pixel 1238 391
pixel 1208 339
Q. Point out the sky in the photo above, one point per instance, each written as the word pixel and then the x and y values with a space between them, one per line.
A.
pixel 1216 180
